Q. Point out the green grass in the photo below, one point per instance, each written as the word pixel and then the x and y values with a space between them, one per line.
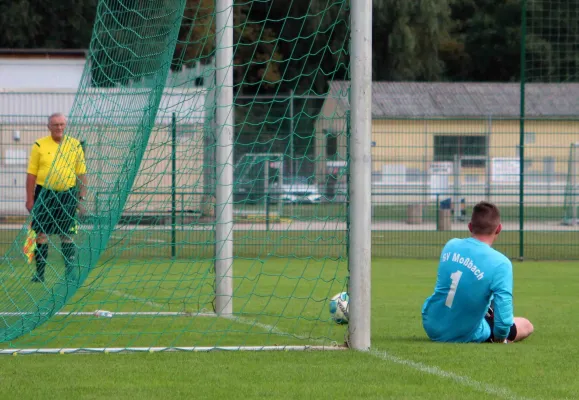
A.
pixel 538 245
pixel 397 212
pixel 338 211
pixel 401 365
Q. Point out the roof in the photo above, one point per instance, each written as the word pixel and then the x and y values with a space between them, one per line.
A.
pixel 102 106
pixel 442 99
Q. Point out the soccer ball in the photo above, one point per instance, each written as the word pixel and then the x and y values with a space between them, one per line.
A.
pixel 339 308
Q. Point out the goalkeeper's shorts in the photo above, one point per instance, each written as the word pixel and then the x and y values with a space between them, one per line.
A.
pixel 490 320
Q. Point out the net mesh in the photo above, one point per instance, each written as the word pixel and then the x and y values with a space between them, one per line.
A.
pixel 146 244
pixel 551 76
pixel 551 41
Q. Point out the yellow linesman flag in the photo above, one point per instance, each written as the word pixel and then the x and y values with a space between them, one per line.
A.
pixel 29 245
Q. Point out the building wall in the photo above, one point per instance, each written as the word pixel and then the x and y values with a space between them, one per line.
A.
pixel 331 121
pixel 403 154
pixel 411 142
pixel 107 154
pixel 153 184
pixel 41 73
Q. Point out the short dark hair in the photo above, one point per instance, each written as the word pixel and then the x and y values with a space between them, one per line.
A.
pixel 485 218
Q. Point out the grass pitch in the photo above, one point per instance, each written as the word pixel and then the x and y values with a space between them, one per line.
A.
pixel 402 364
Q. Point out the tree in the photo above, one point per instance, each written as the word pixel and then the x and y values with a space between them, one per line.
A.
pixel 485 41
pixel 256 60
pixel 256 57
pixel 406 38
pixel 63 24
pixel 314 40
pixel 552 41
pixel 196 42
pixel 130 41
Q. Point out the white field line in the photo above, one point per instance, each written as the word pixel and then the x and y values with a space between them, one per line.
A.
pixel 146 240
pixel 241 320
pixel 120 293
pixel 491 390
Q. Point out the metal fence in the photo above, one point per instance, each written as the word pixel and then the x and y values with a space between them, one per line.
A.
pixel 427 175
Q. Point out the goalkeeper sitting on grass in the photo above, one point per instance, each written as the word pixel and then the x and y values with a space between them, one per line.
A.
pixel 471 275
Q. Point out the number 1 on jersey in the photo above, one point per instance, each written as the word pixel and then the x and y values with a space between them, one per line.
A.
pixel 455 277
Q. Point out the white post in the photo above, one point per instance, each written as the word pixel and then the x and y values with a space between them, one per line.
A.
pixel 291 138
pixel 488 159
pixel 224 158
pixel 456 185
pixel 360 239
pixel 574 162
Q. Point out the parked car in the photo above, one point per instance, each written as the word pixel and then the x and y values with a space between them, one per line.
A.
pixel 299 190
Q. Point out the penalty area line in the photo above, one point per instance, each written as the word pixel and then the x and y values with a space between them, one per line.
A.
pixel 491 390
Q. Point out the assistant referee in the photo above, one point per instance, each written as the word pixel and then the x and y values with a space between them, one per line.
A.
pixel 55 183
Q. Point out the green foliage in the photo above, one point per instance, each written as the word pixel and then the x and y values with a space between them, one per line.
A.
pixel 46 24
pixel 256 60
pixel 406 39
pixel 284 45
pixel 552 41
pixel 125 43
pixel 484 44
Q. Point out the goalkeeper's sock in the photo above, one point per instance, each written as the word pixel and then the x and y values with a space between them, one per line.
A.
pixel 40 254
pixel 69 255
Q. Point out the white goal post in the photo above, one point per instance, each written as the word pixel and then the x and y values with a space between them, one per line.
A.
pixel 360 240
pixel 570 203
pixel 360 167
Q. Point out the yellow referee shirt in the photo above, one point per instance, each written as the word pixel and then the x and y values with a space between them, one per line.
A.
pixel 56 168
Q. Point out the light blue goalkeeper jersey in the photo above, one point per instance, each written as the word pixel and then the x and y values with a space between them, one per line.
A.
pixel 471 274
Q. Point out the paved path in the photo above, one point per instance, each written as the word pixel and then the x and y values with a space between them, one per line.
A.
pixel 340 226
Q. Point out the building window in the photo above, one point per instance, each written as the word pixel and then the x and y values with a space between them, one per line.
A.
pixel 529 137
pixel 471 150
pixel 331 147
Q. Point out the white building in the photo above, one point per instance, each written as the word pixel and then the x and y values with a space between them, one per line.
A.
pixel 41 68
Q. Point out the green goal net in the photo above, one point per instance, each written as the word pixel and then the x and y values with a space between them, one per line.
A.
pixel 163 259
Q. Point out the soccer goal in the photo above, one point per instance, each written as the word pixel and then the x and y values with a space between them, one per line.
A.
pixel 571 187
pixel 162 264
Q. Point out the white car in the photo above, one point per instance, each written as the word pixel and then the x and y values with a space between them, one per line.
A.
pixel 300 192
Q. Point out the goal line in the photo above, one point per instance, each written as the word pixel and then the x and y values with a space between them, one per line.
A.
pixel 118 313
pixel 125 350
pixel 159 349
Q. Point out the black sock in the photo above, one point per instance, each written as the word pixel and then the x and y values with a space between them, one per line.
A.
pixel 41 254
pixel 69 255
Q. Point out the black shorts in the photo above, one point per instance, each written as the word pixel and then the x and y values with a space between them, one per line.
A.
pixel 54 213
pixel 490 318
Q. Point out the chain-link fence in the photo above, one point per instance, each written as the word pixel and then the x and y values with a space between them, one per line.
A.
pixel 428 172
